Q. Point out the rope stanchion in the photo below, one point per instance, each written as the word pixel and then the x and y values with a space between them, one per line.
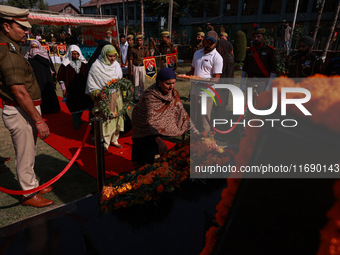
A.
pixel 56 178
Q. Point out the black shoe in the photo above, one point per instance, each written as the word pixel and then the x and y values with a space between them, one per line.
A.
pixel 4 159
pixel 4 169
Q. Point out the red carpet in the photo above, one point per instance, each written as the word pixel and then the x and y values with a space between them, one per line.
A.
pixel 66 140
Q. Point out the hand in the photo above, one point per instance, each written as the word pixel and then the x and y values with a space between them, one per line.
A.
pixel 161 146
pixel 196 134
pixel 102 96
pixel 43 130
pixel 64 93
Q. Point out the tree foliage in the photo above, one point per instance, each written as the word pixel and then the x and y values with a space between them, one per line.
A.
pixel 42 5
pixel 160 8
pixel 240 46
pixel 28 4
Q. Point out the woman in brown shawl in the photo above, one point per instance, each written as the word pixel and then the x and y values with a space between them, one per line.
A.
pixel 158 113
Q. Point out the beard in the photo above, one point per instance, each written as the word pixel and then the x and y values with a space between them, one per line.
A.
pixel 256 43
pixel 208 49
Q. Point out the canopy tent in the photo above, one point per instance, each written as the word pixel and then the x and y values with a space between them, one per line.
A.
pixel 63 20
pixel 94 28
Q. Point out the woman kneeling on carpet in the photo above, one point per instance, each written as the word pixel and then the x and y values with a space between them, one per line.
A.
pixel 158 113
pixel 103 70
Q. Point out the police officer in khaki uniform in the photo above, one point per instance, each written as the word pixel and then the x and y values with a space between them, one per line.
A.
pixel 130 41
pixel 199 41
pixel 166 47
pixel 304 62
pixel 137 53
pixel 259 64
pixel 224 36
pixel 21 94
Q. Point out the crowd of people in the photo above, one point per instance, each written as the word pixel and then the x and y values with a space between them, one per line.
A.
pixel 28 84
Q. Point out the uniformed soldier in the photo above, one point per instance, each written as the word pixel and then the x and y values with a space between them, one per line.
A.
pixel 130 41
pixel 223 35
pixel 137 53
pixel 21 94
pixel 304 62
pixel 199 41
pixel 166 47
pixel 259 64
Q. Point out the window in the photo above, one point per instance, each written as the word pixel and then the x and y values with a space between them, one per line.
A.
pixel 114 11
pixel 290 7
pixel 213 8
pixel 131 13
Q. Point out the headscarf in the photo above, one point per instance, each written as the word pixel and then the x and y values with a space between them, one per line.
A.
pixel 37 51
pixel 96 54
pixel 166 74
pixel 100 74
pixel 108 50
pixel 68 58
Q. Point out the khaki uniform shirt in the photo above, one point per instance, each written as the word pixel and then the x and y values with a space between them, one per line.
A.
pixel 167 48
pixel 128 52
pixel 15 70
pixel 137 55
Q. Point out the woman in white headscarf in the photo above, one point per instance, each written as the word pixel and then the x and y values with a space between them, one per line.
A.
pixel 103 70
pixel 72 78
pixel 45 74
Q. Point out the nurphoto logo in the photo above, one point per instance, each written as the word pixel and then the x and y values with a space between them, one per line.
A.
pixel 239 106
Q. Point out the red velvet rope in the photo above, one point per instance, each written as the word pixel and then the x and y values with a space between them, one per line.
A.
pixel 230 129
pixel 56 178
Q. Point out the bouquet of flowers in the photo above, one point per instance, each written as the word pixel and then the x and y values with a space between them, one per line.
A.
pixel 125 87
pixel 206 151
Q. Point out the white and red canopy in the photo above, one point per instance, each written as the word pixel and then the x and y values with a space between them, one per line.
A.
pixel 62 20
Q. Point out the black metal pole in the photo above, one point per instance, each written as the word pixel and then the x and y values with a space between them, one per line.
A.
pixel 99 143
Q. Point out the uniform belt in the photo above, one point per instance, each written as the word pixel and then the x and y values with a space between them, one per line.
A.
pixel 138 64
pixel 12 103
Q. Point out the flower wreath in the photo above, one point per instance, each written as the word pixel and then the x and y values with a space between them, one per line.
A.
pixel 125 86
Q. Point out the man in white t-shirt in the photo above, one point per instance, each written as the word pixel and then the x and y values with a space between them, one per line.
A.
pixel 123 45
pixel 207 63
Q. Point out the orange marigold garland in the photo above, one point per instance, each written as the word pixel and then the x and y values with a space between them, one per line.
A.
pixel 324 103
pixel 125 86
pixel 148 182
pixel 325 107
pixel 330 234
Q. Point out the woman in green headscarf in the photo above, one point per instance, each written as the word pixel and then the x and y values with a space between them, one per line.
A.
pixel 103 70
